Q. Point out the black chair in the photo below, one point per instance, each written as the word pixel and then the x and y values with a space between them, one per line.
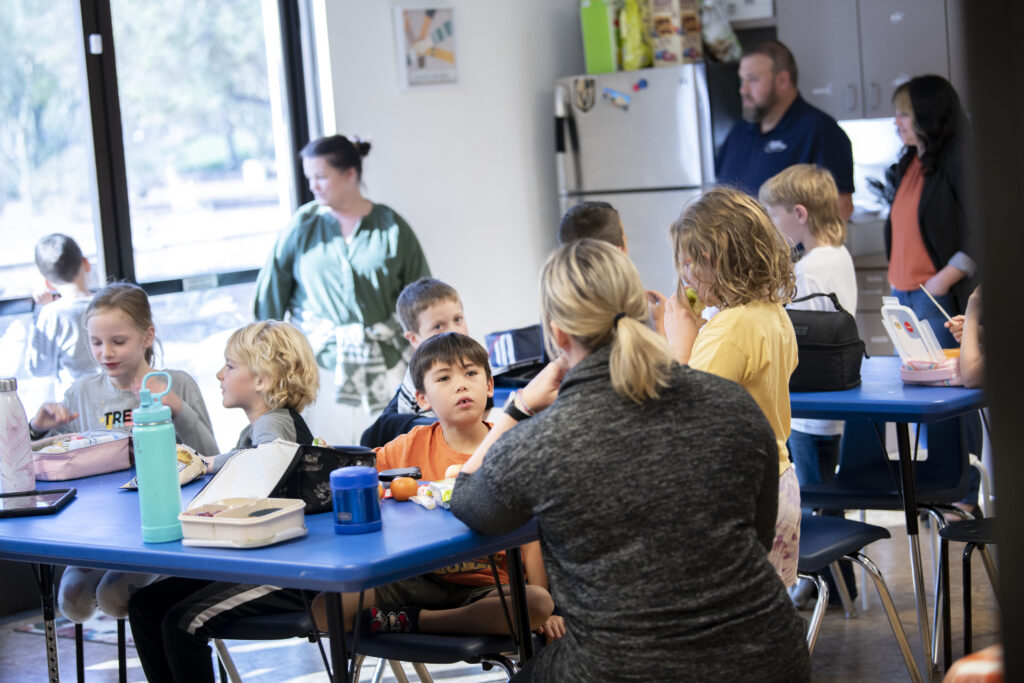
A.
pixel 826 540
pixel 416 648
pixel 868 480
pixel 978 533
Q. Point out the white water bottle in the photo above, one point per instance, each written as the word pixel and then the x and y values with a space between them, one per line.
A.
pixel 16 469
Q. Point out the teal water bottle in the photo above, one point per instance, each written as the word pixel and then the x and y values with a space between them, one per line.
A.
pixel 156 465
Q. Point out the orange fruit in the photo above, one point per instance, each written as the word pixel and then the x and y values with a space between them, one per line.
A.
pixel 380 491
pixel 403 488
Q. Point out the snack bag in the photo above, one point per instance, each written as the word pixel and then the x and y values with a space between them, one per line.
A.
pixel 676 32
pixel 442 492
pixel 636 51
pixel 718 34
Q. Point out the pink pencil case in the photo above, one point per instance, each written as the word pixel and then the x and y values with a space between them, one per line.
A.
pixel 72 456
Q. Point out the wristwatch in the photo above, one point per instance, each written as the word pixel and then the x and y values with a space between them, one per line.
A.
pixel 512 409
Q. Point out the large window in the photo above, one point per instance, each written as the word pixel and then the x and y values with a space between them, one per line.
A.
pixel 204 186
pixel 162 137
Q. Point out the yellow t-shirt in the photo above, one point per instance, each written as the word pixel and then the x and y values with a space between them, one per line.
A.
pixel 753 345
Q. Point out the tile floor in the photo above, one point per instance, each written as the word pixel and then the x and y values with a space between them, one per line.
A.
pixel 860 649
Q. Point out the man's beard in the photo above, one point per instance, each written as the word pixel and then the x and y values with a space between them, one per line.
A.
pixel 756 113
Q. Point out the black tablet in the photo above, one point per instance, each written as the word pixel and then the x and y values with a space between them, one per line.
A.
pixel 25 503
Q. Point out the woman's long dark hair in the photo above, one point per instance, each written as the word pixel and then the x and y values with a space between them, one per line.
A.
pixel 340 152
pixel 939 119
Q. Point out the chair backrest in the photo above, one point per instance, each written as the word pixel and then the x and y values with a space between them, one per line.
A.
pixel 942 478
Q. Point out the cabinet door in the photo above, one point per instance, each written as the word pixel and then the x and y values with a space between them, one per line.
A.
pixel 900 39
pixel 823 37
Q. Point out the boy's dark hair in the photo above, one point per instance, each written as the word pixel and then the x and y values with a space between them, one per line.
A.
pixel 419 296
pixel 450 348
pixel 594 220
pixel 58 258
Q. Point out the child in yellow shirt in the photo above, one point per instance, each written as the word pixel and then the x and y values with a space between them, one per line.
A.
pixel 728 250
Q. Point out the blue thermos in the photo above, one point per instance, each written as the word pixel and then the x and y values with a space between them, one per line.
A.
pixel 356 500
pixel 156 465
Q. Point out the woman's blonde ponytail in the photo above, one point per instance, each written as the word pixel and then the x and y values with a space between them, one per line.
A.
pixel 592 292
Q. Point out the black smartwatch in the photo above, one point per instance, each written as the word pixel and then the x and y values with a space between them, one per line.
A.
pixel 512 410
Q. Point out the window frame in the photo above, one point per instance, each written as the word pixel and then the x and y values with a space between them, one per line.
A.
pixel 112 199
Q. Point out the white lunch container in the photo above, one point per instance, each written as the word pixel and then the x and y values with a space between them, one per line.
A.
pixel 243 522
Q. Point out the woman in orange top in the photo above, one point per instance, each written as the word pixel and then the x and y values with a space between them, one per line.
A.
pixel 927 234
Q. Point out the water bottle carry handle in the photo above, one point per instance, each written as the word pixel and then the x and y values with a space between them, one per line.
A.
pixel 166 375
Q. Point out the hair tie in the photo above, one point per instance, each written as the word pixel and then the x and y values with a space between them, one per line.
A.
pixel 617 318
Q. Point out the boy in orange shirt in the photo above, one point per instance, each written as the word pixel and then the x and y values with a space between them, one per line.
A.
pixel 452 377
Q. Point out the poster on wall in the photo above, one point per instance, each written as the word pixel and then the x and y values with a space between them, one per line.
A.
pixel 425 37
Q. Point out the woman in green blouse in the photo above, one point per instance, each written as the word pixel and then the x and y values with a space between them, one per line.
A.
pixel 337 271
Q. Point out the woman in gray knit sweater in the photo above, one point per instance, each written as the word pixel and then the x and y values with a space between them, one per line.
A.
pixel 655 489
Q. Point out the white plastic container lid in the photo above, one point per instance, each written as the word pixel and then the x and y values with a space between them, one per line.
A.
pixel 913 338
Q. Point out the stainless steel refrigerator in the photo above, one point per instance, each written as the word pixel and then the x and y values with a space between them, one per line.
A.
pixel 643 141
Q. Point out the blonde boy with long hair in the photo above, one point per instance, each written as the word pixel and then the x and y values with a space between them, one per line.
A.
pixel 270 373
pixel 802 202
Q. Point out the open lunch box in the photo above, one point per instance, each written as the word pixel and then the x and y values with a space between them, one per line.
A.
pixel 260 496
pixel 243 522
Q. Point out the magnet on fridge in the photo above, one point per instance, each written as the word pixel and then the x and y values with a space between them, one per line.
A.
pixel 616 98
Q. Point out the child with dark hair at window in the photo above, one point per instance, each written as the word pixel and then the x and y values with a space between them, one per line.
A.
pixel 59 346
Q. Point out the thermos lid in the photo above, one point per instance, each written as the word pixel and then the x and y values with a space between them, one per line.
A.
pixel 8 384
pixel 150 409
pixel 356 477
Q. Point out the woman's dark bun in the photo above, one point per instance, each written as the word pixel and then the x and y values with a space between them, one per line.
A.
pixel 362 146
pixel 340 152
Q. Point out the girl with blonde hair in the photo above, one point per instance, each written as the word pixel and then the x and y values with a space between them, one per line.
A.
pixel 654 487
pixel 122 337
pixel 728 250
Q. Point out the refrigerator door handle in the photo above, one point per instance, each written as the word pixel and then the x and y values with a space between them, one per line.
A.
pixel 564 122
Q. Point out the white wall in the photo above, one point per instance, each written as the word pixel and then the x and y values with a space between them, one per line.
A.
pixel 470 166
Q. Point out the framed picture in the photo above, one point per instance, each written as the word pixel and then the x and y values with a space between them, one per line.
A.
pixel 425 37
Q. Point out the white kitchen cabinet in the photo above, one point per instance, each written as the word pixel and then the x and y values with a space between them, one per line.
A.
pixel 852 54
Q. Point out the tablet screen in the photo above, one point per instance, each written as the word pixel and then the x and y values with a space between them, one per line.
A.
pixel 31 500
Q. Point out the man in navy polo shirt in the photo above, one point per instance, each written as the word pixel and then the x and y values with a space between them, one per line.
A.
pixel 781 129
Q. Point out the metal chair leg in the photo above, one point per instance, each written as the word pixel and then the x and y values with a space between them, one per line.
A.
pixel 396 669
pixel 967 599
pixel 941 605
pixel 938 522
pixel 814 626
pixel 863 572
pixel 844 593
pixel 947 637
pixel 358 667
pixel 225 660
pixel 378 671
pixel 421 671
pixel 890 611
